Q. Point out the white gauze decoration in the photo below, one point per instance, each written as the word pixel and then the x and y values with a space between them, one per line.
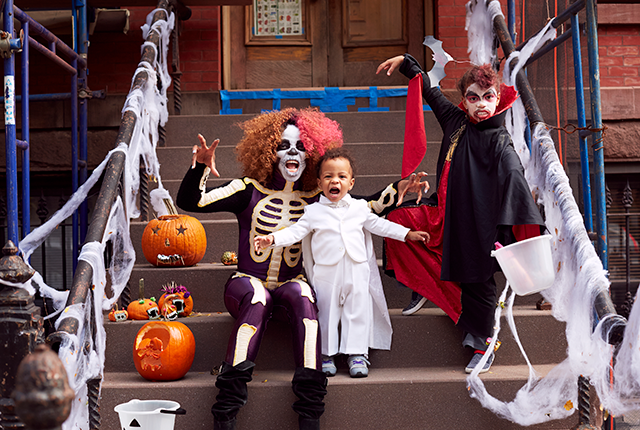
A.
pixel 149 104
pixel 480 31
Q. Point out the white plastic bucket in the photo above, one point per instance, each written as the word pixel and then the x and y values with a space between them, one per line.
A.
pixel 148 414
pixel 527 264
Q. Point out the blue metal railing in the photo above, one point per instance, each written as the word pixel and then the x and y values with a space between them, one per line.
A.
pixel 78 72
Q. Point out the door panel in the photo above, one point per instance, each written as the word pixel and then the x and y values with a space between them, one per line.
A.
pixel 343 43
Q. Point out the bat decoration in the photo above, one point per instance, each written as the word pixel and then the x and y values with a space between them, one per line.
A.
pixel 440 57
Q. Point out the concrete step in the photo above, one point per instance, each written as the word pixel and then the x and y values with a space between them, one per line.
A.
pixel 205 281
pixel 356 127
pixel 371 158
pixel 365 185
pixel 426 339
pixel 390 398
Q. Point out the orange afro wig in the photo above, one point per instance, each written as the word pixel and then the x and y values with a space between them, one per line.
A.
pixel 262 135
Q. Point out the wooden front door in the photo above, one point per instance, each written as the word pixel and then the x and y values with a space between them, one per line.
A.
pixel 339 42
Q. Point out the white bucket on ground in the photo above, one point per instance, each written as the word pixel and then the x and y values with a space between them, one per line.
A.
pixel 148 414
pixel 527 264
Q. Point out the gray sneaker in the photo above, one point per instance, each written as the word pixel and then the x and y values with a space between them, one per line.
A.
pixel 358 366
pixel 475 360
pixel 417 301
pixel 329 366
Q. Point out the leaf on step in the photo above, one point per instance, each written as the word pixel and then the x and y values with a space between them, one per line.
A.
pixel 569 405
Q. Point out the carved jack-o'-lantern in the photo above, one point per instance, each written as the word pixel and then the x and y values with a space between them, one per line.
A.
pixel 174 240
pixel 164 350
pixel 143 309
pixel 178 296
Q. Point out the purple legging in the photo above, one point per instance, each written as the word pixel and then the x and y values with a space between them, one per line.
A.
pixel 287 300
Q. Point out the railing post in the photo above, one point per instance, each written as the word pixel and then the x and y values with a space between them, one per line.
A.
pixel 42 396
pixel 596 121
pixel 10 129
pixel 582 123
pixel 21 329
pixel 26 170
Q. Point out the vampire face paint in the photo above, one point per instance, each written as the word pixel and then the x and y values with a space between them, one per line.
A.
pixel 291 154
pixel 481 103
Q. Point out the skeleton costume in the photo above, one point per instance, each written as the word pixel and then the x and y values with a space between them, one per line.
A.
pixel 267 284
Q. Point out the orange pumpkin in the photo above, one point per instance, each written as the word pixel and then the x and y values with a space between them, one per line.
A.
pixel 118 315
pixel 164 350
pixel 178 296
pixel 144 309
pixel 174 240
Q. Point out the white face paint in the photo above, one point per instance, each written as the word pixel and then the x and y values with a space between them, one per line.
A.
pixel 481 103
pixel 291 154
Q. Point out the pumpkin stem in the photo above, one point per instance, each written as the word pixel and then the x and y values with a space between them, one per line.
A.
pixel 170 207
pixel 141 289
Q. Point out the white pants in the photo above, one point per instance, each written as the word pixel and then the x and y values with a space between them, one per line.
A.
pixel 344 300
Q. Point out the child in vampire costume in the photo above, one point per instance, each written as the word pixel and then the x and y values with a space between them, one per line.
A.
pixel 279 152
pixel 482 198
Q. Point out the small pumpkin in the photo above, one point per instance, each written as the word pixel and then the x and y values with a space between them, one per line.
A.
pixel 228 258
pixel 117 315
pixel 143 309
pixel 174 240
pixel 164 350
pixel 179 297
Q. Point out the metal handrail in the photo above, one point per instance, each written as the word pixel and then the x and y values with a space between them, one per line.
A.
pixel 109 190
pixel 81 288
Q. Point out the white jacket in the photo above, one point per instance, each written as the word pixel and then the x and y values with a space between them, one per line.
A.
pixel 337 232
pixel 350 236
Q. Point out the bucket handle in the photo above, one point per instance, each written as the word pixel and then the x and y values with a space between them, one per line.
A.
pixel 178 411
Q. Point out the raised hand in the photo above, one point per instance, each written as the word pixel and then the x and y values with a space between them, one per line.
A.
pixel 390 65
pixel 412 185
pixel 205 155
pixel 262 242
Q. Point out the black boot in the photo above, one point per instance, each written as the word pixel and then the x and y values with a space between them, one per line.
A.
pixel 310 386
pixel 232 383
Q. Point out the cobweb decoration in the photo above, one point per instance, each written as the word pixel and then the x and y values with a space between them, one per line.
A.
pixel 150 107
pixel 480 30
pixel 579 279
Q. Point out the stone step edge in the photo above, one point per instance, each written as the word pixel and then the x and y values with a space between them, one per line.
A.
pixel 378 376
pixel 207 317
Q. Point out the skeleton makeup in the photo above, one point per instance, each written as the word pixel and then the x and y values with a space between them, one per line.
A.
pixel 291 154
pixel 481 103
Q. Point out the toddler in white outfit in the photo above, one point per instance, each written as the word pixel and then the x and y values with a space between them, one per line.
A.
pixel 341 265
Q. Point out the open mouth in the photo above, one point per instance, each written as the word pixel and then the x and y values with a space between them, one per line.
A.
pixel 334 191
pixel 292 166
pixel 482 114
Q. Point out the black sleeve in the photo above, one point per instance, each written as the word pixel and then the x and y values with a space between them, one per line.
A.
pixel 234 196
pixel 445 111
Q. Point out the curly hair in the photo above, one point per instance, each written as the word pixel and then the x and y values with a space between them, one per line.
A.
pixel 485 76
pixel 262 135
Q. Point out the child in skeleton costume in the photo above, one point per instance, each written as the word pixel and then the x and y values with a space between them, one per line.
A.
pixel 482 198
pixel 278 152
pixel 341 265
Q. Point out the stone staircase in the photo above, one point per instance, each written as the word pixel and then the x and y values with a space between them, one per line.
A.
pixel 419 384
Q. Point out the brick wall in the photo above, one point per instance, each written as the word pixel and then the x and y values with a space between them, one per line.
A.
pixel 450 23
pixel 113 57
